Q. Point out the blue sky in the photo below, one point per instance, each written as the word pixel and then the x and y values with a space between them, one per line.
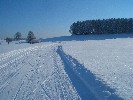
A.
pixel 51 18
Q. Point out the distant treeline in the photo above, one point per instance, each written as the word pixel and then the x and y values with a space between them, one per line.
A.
pixel 18 37
pixel 105 26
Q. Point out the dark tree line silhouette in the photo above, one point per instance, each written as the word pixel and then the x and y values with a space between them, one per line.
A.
pixel 18 37
pixel 105 26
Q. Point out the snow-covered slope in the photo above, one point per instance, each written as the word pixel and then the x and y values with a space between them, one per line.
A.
pixel 68 68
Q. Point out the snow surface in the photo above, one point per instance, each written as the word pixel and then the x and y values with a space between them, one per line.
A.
pixel 68 68
pixel 110 60
pixel 34 73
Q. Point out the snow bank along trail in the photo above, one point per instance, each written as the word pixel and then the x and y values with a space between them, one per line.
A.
pixel 110 60
pixel 85 82
pixel 35 73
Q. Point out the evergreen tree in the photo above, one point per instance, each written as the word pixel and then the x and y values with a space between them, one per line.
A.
pixel 30 36
pixel 105 26
pixel 17 36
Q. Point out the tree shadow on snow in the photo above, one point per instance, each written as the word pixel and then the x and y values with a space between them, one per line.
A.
pixel 87 37
pixel 84 81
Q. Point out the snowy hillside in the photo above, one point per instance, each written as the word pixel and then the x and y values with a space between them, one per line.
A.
pixel 68 68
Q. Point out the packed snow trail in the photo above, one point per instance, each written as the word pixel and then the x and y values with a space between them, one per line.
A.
pixel 36 73
pixel 85 82
pixel 46 72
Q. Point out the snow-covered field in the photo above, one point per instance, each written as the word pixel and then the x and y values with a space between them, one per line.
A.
pixel 68 68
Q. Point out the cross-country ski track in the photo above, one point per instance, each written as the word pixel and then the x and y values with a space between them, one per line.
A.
pixel 45 72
